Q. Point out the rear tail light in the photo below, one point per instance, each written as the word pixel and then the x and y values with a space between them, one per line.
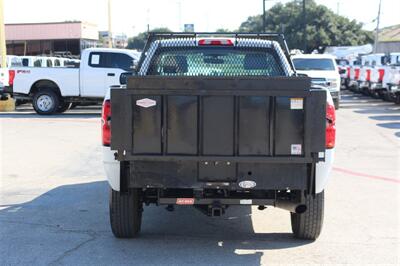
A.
pixel 368 78
pixel 216 42
pixel 106 123
pixel 356 73
pixel 381 73
pixel 348 72
pixel 11 76
pixel 330 126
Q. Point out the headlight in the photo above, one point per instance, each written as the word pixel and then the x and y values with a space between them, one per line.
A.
pixel 332 83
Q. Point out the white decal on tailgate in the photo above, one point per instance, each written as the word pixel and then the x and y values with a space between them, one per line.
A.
pixel 296 103
pixel 146 102
pixel 295 149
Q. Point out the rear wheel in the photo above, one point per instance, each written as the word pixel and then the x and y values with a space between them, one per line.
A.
pixel 45 102
pixel 308 225
pixel 126 213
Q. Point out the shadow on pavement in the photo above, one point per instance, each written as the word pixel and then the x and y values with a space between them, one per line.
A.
pixel 33 115
pixel 69 224
pixel 389 125
pixel 378 110
pixel 386 117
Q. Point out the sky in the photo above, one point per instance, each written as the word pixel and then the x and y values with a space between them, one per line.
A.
pixel 132 16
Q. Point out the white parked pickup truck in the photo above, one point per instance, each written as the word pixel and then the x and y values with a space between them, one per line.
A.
pixel 53 89
pixel 322 70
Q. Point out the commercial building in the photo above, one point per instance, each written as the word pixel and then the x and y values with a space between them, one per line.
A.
pixel 119 40
pixel 62 38
pixel 389 39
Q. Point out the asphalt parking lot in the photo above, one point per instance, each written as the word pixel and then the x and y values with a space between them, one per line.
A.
pixel 54 201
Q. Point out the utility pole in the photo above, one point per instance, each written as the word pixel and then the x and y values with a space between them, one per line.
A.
pixel 3 48
pixel 304 27
pixel 264 23
pixel 180 16
pixel 110 44
pixel 377 28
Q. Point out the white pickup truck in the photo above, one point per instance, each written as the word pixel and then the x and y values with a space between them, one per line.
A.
pixel 53 89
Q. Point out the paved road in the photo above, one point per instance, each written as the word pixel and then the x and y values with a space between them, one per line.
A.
pixel 54 201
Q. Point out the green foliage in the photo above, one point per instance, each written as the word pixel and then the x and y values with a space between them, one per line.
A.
pixel 324 27
pixel 221 30
pixel 138 42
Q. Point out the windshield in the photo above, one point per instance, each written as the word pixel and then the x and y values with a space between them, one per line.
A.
pixel 313 64
pixel 342 62
pixel 215 61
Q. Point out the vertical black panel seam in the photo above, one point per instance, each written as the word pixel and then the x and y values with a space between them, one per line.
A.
pixel 272 118
pixel 129 118
pixel 200 130
pixel 164 124
pixel 132 119
pixel 306 124
pixel 236 117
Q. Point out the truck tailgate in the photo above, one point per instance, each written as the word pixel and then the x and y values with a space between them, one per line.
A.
pixel 218 128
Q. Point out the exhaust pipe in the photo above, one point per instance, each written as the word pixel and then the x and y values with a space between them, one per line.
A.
pixel 291 206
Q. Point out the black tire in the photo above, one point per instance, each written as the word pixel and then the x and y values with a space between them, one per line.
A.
pixel 45 102
pixel 336 103
pixel 125 213
pixel 375 94
pixel 308 225
pixel 397 98
pixel 64 106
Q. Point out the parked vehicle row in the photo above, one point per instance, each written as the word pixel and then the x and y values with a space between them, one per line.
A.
pixel 52 90
pixel 377 75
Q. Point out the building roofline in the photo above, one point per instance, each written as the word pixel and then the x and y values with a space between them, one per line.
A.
pixel 46 23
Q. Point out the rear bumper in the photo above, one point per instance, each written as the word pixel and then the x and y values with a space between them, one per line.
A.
pixel 199 175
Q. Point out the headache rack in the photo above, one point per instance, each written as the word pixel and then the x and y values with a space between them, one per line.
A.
pixel 270 36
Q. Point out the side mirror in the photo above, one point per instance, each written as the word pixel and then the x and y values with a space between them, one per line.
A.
pixel 342 71
pixel 123 78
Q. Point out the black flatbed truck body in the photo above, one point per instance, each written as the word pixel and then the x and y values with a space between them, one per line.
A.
pixel 212 132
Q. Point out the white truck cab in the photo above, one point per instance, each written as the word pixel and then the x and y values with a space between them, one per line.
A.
pixel 322 70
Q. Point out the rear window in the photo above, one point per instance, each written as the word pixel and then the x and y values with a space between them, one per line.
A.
pixel 313 64
pixel 215 61
pixel 25 62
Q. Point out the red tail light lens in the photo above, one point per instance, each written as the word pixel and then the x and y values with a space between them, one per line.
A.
pixel 330 126
pixel 216 42
pixel 368 78
pixel 106 123
pixel 381 74
pixel 11 76
pixel 356 73
pixel 348 72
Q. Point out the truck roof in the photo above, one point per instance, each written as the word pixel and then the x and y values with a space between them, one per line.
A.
pixel 124 51
pixel 314 56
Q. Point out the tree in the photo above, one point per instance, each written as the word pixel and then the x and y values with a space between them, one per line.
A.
pixel 138 42
pixel 222 30
pixel 324 27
